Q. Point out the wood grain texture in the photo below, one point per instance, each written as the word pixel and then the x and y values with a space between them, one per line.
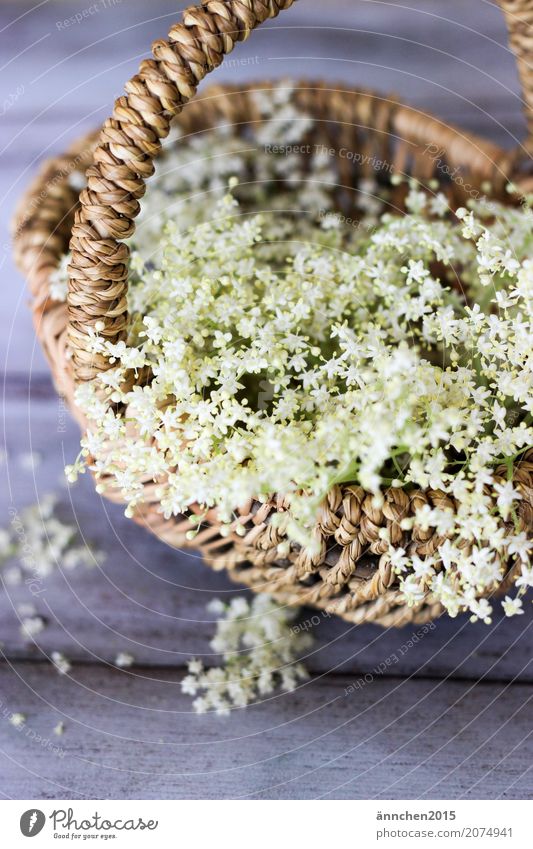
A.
pixel 447 718
pixel 132 735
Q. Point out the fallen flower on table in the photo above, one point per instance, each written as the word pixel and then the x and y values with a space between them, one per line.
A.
pixel 124 660
pixel 260 649
pixel 61 663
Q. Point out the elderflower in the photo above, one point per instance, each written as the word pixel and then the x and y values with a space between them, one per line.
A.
pixel 32 625
pixel 259 649
pixel 123 660
pixel 512 606
pixel 61 663
pixel 29 461
pixel 41 542
pixel 288 350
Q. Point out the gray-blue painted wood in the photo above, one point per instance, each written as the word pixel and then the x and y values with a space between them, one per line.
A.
pixel 447 718
pixel 132 735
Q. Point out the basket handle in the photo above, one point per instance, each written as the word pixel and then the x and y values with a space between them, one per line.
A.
pixel 131 138
pixel 519 20
pixel 123 160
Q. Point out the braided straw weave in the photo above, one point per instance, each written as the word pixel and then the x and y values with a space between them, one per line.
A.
pixel 350 574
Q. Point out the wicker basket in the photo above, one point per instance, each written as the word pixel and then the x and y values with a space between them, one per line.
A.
pixel 349 576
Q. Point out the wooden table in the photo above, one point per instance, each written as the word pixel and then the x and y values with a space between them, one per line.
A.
pixel 451 716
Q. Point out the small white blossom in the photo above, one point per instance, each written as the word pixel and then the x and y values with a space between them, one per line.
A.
pixel 124 659
pixel 41 542
pixel 259 647
pixel 512 606
pixel 61 663
pixel 507 495
pixel 32 625
pixel 29 461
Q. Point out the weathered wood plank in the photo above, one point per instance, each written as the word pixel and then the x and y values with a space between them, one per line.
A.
pixel 436 54
pixel 133 735
pixel 150 600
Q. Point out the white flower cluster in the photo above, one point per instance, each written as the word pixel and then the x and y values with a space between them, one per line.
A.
pixel 36 542
pixel 288 351
pixel 35 545
pixel 259 648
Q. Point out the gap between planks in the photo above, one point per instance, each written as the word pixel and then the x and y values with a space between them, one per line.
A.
pixel 44 663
